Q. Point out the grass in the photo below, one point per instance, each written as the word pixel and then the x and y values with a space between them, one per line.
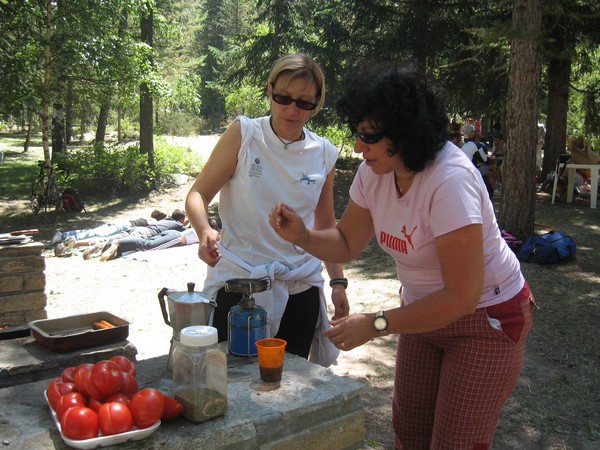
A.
pixel 115 190
pixel 19 168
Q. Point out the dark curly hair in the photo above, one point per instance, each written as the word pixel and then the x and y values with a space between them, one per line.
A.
pixel 402 105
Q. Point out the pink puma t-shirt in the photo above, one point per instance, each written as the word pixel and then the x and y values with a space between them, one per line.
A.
pixel 447 195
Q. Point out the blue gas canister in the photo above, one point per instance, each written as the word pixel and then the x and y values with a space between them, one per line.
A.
pixel 247 321
pixel 247 324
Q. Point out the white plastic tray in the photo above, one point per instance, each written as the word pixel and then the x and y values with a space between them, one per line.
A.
pixel 103 441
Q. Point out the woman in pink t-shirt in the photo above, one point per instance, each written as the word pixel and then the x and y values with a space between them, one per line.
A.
pixel 465 308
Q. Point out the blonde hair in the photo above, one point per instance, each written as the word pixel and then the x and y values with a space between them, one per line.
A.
pixel 300 65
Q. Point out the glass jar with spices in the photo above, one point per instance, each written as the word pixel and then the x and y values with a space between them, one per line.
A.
pixel 200 374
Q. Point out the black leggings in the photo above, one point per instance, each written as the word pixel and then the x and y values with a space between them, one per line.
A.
pixel 297 324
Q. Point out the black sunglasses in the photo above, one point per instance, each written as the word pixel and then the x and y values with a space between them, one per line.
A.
pixel 287 100
pixel 368 138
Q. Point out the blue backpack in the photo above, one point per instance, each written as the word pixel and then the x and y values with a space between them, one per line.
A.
pixel 547 248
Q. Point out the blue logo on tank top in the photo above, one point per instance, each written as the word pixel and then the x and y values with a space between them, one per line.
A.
pixel 255 168
pixel 308 179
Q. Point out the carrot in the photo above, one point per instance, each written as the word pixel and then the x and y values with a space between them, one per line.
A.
pixel 102 325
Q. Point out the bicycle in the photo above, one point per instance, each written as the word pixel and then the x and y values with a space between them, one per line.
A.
pixel 45 194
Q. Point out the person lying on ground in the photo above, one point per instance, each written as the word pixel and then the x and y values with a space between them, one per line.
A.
pixel 63 241
pixel 111 228
pixel 176 221
pixel 141 238
pixel 163 240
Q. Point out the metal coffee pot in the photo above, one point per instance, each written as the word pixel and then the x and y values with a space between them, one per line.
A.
pixel 186 308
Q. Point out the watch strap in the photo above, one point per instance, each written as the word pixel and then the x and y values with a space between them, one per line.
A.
pixel 342 281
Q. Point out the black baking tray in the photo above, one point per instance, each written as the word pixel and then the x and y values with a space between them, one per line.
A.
pixel 76 332
pixel 14 332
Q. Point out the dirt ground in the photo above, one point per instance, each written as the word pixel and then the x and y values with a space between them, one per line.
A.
pixel 555 405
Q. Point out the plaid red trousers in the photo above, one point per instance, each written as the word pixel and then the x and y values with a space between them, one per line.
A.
pixel 451 384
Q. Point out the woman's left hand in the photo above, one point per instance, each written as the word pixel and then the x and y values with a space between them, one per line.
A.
pixel 340 302
pixel 351 331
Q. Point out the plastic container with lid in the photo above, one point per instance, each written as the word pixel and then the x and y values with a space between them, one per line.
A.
pixel 200 374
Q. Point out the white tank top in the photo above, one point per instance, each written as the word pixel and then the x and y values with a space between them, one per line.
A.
pixel 267 173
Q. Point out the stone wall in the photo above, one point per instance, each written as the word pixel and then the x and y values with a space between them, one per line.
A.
pixel 22 284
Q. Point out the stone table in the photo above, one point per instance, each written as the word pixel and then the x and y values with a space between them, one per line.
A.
pixel 24 360
pixel 312 408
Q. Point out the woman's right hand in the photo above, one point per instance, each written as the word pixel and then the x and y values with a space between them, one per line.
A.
pixel 288 224
pixel 208 248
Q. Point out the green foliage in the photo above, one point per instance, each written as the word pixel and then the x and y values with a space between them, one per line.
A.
pixel 583 118
pixel 178 123
pixel 248 100
pixel 184 95
pixel 121 169
pixel 130 129
pixel 339 135
pixel 209 59
pixel 172 160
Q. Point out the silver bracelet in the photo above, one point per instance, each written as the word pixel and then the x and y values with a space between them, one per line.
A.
pixel 306 246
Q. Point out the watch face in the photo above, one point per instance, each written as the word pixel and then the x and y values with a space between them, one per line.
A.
pixel 380 323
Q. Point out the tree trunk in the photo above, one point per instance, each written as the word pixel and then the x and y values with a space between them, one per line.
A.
pixel 47 83
pixel 146 120
pixel 146 116
pixel 518 181
pixel 69 114
pixel 103 119
pixel 29 131
pixel 82 121
pixel 120 123
pixel 59 140
pixel 59 135
pixel 559 74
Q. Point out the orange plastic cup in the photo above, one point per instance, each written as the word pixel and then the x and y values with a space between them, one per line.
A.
pixel 270 358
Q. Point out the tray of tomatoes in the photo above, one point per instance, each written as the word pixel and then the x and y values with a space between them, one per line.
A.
pixel 97 405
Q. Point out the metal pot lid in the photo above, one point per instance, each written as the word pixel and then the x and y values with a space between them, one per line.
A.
pixel 189 296
pixel 247 285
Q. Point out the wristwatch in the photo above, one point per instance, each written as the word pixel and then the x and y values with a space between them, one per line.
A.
pixel 380 323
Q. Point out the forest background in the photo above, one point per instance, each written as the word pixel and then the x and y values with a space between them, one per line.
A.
pixel 138 69
pixel 185 67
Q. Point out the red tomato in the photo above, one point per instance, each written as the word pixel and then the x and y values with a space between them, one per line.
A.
pixel 79 423
pixel 114 417
pixel 94 404
pixel 67 374
pixel 130 385
pixel 172 408
pixel 83 381
pixel 88 366
pixel 107 377
pixel 56 389
pixel 124 363
pixel 147 406
pixel 67 401
pixel 52 391
pixel 118 397
pixel 78 379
